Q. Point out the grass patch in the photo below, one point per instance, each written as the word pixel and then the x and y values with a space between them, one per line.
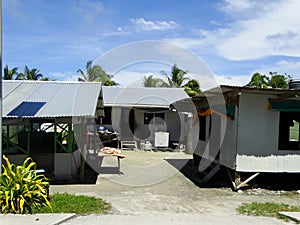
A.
pixel 269 209
pixel 79 204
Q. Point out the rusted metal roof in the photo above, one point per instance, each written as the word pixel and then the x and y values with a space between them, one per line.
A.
pixel 226 89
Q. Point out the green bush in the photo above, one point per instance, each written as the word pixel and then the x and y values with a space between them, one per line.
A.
pixel 21 188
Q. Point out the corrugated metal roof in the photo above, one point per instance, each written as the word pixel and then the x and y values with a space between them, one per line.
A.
pixel 141 97
pixel 62 99
pixel 245 89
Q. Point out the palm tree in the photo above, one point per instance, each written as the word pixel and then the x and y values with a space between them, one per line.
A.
pixel 96 74
pixel 150 81
pixel 29 74
pixel 177 78
pixel 192 87
pixel 9 74
pixel 47 79
pixel 109 82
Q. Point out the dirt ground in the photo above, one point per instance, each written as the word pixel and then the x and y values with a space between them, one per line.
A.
pixel 161 182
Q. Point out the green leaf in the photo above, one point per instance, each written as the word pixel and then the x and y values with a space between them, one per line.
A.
pixel 21 188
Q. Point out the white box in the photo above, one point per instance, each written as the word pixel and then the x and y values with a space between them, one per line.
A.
pixel 161 139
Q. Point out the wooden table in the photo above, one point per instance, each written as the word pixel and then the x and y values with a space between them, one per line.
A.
pixel 118 156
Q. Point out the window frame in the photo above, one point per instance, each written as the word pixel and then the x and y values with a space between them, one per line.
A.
pixel 148 116
pixel 284 140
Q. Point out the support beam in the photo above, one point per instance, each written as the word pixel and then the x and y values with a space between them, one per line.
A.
pixel 70 139
pixel 55 138
pixel 246 181
pixel 82 148
pixel 7 140
pixel 28 129
pixel 231 180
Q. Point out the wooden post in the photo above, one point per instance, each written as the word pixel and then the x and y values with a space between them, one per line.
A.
pixel 230 177
pixel 189 143
pixel 82 149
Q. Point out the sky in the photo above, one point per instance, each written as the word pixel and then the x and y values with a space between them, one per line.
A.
pixel 233 38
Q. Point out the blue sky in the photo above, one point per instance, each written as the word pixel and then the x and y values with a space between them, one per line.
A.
pixel 235 38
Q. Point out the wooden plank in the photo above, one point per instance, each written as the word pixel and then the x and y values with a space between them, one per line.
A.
pixel 246 181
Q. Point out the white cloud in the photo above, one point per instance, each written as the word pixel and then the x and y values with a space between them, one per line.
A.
pixel 15 9
pixel 257 29
pixel 283 67
pixel 129 78
pixel 232 6
pixel 239 8
pixel 207 83
pixel 276 31
pixel 148 25
pixel 64 76
pixel 86 46
pixel 88 10
pixel 233 80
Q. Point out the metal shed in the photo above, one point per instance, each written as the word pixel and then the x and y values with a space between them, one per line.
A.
pixel 39 118
pixel 139 114
pixel 262 132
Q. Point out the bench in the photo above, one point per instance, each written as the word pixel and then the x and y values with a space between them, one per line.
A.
pixel 128 144
pixel 118 156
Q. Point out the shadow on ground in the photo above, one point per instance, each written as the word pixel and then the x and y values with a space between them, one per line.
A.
pixel 270 181
pixel 90 177
pixel 221 179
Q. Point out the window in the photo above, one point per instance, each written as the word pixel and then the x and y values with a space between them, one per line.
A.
pixel 152 116
pixel 202 131
pixel 107 115
pixel 294 131
pixel 289 131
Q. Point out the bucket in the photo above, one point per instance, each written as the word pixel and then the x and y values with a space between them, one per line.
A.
pixel 148 146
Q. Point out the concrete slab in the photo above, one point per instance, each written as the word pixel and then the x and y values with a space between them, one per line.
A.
pixel 292 215
pixel 174 219
pixel 45 219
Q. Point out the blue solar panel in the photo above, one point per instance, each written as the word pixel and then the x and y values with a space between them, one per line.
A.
pixel 26 109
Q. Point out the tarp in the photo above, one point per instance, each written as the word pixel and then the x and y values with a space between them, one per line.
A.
pixel 284 105
pixel 230 110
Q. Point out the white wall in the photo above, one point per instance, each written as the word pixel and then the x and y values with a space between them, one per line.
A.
pixel 257 144
pixel 229 148
pixel 257 126
pixel 64 164
pixel 174 124
pixel 147 131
